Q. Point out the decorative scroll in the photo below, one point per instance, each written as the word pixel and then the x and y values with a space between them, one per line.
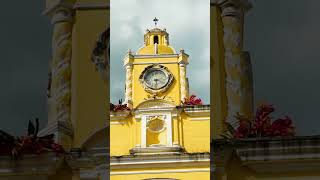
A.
pixel 101 53
pixel 156 124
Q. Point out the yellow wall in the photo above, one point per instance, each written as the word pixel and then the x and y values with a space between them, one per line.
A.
pixel 193 135
pixel 123 136
pixel 196 134
pixel 89 91
pixel 164 174
pixel 139 94
pixel 218 97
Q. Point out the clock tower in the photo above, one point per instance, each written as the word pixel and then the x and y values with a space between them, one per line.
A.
pixel 156 71
pixel 158 137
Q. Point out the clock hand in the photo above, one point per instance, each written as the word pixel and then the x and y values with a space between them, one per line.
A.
pixel 156 80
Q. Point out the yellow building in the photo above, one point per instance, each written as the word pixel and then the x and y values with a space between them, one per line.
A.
pixel 294 158
pixel 78 93
pixel 159 137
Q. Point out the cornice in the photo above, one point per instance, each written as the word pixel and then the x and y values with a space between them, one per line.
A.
pixel 49 11
pixel 227 5
pixel 155 56
pixel 90 158
pixel 273 155
pixel 184 160
pixel 196 111
pixel 44 164
pixel 58 126
pixel 119 115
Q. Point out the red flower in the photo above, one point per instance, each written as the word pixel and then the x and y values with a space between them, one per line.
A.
pixel 262 125
pixel 119 107
pixel 192 100
pixel 283 127
pixel 243 130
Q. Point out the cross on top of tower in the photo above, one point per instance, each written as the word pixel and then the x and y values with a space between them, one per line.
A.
pixel 155 20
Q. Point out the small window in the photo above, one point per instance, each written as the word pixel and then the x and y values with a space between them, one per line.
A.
pixel 155 40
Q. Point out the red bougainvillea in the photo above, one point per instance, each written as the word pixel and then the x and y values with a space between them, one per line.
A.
pixel 29 144
pixel 119 107
pixel 263 126
pixel 192 100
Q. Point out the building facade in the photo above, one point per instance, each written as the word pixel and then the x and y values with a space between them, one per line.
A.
pixel 290 158
pixel 78 93
pixel 158 137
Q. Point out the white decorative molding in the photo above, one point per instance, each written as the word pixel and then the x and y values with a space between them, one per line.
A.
pixel 143 132
pixel 144 63
pixel 119 115
pixel 197 111
pixel 137 56
pixel 168 120
pixel 55 127
pixel 168 123
pixel 162 160
pixel 162 171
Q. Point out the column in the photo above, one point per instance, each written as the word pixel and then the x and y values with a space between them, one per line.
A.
pixel 61 62
pixel 237 65
pixel 60 88
pixel 143 131
pixel 183 81
pixel 128 93
pixel 168 119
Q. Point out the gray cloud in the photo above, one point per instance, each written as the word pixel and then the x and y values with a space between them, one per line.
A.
pixel 187 22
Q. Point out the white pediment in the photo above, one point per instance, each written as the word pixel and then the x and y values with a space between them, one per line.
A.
pixel 155 104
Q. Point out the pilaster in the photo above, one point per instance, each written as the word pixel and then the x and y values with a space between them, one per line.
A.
pixel 183 62
pixel 237 67
pixel 61 14
pixel 128 63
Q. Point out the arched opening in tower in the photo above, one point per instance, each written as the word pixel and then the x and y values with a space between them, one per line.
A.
pixel 155 40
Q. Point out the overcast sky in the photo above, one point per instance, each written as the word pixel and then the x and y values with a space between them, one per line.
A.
pixel 186 22
pixel 282 37
pixel 24 51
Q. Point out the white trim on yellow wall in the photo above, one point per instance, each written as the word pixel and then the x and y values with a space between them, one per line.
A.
pixel 161 171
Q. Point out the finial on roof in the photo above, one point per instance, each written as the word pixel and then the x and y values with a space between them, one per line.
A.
pixel 155 20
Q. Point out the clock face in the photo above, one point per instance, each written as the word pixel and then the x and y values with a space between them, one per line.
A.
pixel 156 79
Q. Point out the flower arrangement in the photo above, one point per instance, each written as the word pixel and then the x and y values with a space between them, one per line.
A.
pixel 119 107
pixel 192 100
pixel 261 125
pixel 29 144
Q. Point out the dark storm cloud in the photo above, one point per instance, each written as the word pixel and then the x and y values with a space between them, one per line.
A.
pixel 25 52
pixel 283 40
